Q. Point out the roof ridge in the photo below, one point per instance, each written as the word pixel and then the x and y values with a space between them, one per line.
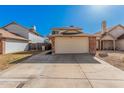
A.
pixel 14 22
pixel 68 27
pixel 110 28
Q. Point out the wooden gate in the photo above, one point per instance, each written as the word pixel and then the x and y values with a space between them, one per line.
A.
pixel 0 46
pixel 92 45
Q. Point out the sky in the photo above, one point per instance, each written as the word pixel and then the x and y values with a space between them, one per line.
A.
pixel 46 17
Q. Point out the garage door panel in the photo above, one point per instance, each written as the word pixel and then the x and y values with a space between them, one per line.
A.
pixel 12 46
pixel 71 45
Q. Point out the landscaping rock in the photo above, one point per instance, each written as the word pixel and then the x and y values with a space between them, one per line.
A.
pixel 103 54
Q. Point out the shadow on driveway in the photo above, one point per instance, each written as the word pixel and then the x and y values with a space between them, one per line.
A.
pixel 62 58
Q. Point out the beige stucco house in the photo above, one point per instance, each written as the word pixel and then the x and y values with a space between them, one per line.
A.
pixel 15 38
pixel 28 33
pixel 72 40
pixel 10 42
pixel 110 38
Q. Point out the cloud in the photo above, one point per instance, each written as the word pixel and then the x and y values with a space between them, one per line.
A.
pixel 98 8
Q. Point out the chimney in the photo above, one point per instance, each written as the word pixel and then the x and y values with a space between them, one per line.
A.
pixel 104 28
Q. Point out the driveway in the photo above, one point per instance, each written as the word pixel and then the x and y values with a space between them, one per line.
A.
pixel 62 71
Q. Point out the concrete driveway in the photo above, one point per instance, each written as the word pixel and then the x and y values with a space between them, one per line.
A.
pixel 62 71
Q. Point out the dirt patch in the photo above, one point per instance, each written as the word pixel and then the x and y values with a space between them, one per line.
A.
pixel 7 59
pixel 114 58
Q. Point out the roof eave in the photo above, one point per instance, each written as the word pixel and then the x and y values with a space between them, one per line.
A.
pixel 73 36
pixel 15 38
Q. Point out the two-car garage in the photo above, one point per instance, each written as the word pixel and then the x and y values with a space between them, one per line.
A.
pixel 10 43
pixel 71 45
pixel 74 44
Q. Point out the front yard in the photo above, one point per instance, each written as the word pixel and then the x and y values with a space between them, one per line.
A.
pixel 7 59
pixel 114 58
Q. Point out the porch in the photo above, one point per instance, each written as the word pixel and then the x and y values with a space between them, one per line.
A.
pixel 106 45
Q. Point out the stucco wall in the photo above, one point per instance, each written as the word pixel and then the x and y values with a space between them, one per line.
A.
pixel 97 44
pixel 35 39
pixel 1 50
pixel 71 45
pixel 18 30
pixel 107 37
pixel 12 46
pixel 107 44
pixel 120 44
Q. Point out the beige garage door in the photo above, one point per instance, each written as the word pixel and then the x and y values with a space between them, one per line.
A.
pixel 71 45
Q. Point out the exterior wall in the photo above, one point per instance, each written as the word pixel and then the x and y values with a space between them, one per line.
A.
pixel 108 44
pixel 120 44
pixel 12 46
pixel 92 45
pixel 1 48
pixel 107 37
pixel 35 39
pixel 71 45
pixel 97 44
pixel 18 30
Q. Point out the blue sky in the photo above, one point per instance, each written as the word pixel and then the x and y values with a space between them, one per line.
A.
pixel 46 17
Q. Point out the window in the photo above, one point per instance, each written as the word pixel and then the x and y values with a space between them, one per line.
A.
pixel 54 32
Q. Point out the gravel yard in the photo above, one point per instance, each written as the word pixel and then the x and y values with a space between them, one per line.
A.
pixel 114 58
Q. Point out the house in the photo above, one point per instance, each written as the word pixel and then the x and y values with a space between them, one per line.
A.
pixel 10 42
pixel 15 38
pixel 72 40
pixel 110 38
pixel 28 33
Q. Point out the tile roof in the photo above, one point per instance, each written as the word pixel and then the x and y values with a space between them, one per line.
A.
pixel 74 35
pixel 121 37
pixel 29 29
pixel 110 29
pixel 67 28
pixel 6 34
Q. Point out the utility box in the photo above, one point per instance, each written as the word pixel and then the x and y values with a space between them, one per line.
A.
pixel 43 48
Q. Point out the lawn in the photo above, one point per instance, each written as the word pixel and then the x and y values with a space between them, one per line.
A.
pixel 7 59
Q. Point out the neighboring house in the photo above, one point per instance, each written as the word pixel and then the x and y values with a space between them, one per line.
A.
pixel 16 38
pixel 72 40
pixel 28 33
pixel 110 38
pixel 10 42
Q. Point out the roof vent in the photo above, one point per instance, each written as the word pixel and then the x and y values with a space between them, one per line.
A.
pixel 34 27
pixel 71 26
